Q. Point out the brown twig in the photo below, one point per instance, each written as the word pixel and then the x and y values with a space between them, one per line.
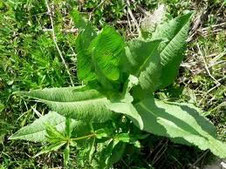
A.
pixel 206 66
pixel 133 18
pixel 73 30
pixel 146 13
pixel 200 158
pixel 161 151
pixel 55 42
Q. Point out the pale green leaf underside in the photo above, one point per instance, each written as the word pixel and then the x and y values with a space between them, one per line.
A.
pixel 180 121
pixel 36 131
pixel 171 52
pixel 78 103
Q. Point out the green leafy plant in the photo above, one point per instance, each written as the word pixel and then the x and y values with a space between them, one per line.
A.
pixel 116 105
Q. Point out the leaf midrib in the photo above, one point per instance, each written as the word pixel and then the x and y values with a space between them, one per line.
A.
pixel 145 107
pixel 146 60
pixel 71 102
pixel 169 42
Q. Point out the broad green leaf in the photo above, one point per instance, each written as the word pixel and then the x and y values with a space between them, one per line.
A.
pixel 156 71
pixel 150 71
pixel 37 130
pixel 180 121
pixel 63 94
pixel 79 103
pixel 86 71
pixel 144 61
pixel 107 50
pixel 125 105
pixel 139 52
pixel 171 52
pixel 129 110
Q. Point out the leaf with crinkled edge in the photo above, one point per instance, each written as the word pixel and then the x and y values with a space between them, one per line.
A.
pixel 36 131
pixel 85 66
pixel 80 103
pixel 180 121
pixel 107 49
pixel 172 51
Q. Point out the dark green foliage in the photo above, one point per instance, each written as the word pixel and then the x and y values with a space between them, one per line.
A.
pixel 183 123
pixel 30 60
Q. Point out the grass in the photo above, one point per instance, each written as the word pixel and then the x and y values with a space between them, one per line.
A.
pixel 29 60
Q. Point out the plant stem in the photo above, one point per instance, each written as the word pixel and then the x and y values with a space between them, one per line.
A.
pixel 83 137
